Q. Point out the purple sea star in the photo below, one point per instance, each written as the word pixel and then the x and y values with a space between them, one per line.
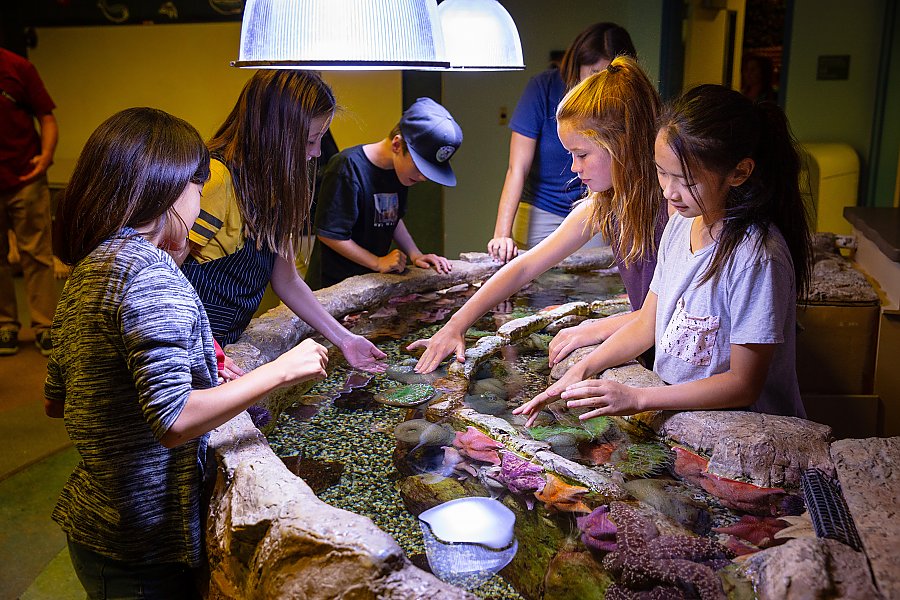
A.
pixel 646 560
pixel 597 531
pixel 519 476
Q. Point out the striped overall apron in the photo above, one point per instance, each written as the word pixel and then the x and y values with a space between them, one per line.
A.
pixel 231 288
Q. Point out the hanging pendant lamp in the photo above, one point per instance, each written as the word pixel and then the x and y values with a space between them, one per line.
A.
pixel 341 34
pixel 479 35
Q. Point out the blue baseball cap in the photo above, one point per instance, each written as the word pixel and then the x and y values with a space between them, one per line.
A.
pixel 432 137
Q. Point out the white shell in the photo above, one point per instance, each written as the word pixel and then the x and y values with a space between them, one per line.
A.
pixel 473 520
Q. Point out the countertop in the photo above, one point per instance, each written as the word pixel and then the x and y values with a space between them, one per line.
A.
pixel 880 224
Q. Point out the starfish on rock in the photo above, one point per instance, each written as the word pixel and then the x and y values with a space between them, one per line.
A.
pixel 560 496
pixel 519 475
pixel 662 564
pixel 597 531
pixel 736 495
pixel 475 445
pixel 759 531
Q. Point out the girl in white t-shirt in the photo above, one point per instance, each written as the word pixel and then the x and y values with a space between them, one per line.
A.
pixel 733 259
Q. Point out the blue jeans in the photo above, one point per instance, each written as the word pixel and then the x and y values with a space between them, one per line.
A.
pixel 107 579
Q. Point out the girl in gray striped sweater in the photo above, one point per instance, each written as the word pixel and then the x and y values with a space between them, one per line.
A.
pixel 133 370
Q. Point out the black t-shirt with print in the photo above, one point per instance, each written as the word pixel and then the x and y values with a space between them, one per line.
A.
pixel 357 201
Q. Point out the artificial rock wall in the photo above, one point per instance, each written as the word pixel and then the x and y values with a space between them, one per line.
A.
pixel 269 536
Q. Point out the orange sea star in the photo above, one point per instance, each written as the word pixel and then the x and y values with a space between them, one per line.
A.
pixel 559 495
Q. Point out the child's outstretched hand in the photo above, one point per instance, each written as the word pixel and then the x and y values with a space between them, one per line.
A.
pixel 305 361
pixel 609 398
pixel 438 263
pixel 437 347
pixel 552 393
pixel 570 339
pixel 363 354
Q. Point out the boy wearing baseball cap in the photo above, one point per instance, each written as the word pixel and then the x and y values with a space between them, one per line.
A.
pixel 362 199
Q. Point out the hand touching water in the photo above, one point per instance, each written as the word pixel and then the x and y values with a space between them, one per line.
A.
pixel 363 354
pixel 437 347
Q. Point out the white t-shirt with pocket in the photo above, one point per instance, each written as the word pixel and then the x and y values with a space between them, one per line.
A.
pixel 753 301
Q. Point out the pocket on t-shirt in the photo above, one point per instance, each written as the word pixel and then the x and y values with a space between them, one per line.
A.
pixel 689 337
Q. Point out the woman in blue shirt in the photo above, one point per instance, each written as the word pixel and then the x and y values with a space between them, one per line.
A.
pixel 538 174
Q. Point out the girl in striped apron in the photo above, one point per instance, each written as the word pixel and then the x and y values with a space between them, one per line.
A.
pixel 256 204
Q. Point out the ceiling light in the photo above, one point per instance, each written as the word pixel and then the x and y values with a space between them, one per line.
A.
pixel 480 36
pixel 342 34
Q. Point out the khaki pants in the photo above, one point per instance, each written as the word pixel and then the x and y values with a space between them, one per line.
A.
pixel 26 211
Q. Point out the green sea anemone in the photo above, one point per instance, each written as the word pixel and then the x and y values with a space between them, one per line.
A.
pixel 406 395
pixel 642 460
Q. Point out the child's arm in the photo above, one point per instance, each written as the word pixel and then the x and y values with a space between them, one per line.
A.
pixel 599 330
pixel 425 261
pixel 54 391
pixel 392 262
pixel 625 344
pixel 738 387
pixel 568 237
pixel 209 408
pixel 293 291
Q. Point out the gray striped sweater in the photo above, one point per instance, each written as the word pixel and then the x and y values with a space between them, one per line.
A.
pixel 131 340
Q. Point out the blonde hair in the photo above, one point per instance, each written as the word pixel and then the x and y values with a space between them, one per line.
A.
pixel 617 109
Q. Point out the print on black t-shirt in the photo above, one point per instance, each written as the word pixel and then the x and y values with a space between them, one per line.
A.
pixel 387 210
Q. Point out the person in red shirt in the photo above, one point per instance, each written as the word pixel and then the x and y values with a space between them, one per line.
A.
pixel 25 155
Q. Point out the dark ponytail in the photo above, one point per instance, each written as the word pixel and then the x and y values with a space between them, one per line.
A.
pixel 131 171
pixel 779 163
pixel 712 127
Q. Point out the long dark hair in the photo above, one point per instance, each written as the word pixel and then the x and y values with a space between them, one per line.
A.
pixel 263 144
pixel 712 127
pixel 617 110
pixel 131 171
pixel 598 41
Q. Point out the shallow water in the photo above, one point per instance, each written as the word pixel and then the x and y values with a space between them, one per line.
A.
pixel 351 429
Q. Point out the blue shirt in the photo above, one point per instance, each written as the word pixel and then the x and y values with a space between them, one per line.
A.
pixel 550 185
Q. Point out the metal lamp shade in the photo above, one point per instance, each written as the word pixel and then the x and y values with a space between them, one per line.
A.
pixel 480 36
pixel 341 34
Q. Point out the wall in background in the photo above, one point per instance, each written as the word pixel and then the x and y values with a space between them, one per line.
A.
pixel 708 46
pixel 835 110
pixel 93 72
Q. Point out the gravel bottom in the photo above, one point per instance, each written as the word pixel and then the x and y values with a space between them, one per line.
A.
pixel 363 441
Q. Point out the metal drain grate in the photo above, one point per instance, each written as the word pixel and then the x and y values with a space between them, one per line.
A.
pixel 827 509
